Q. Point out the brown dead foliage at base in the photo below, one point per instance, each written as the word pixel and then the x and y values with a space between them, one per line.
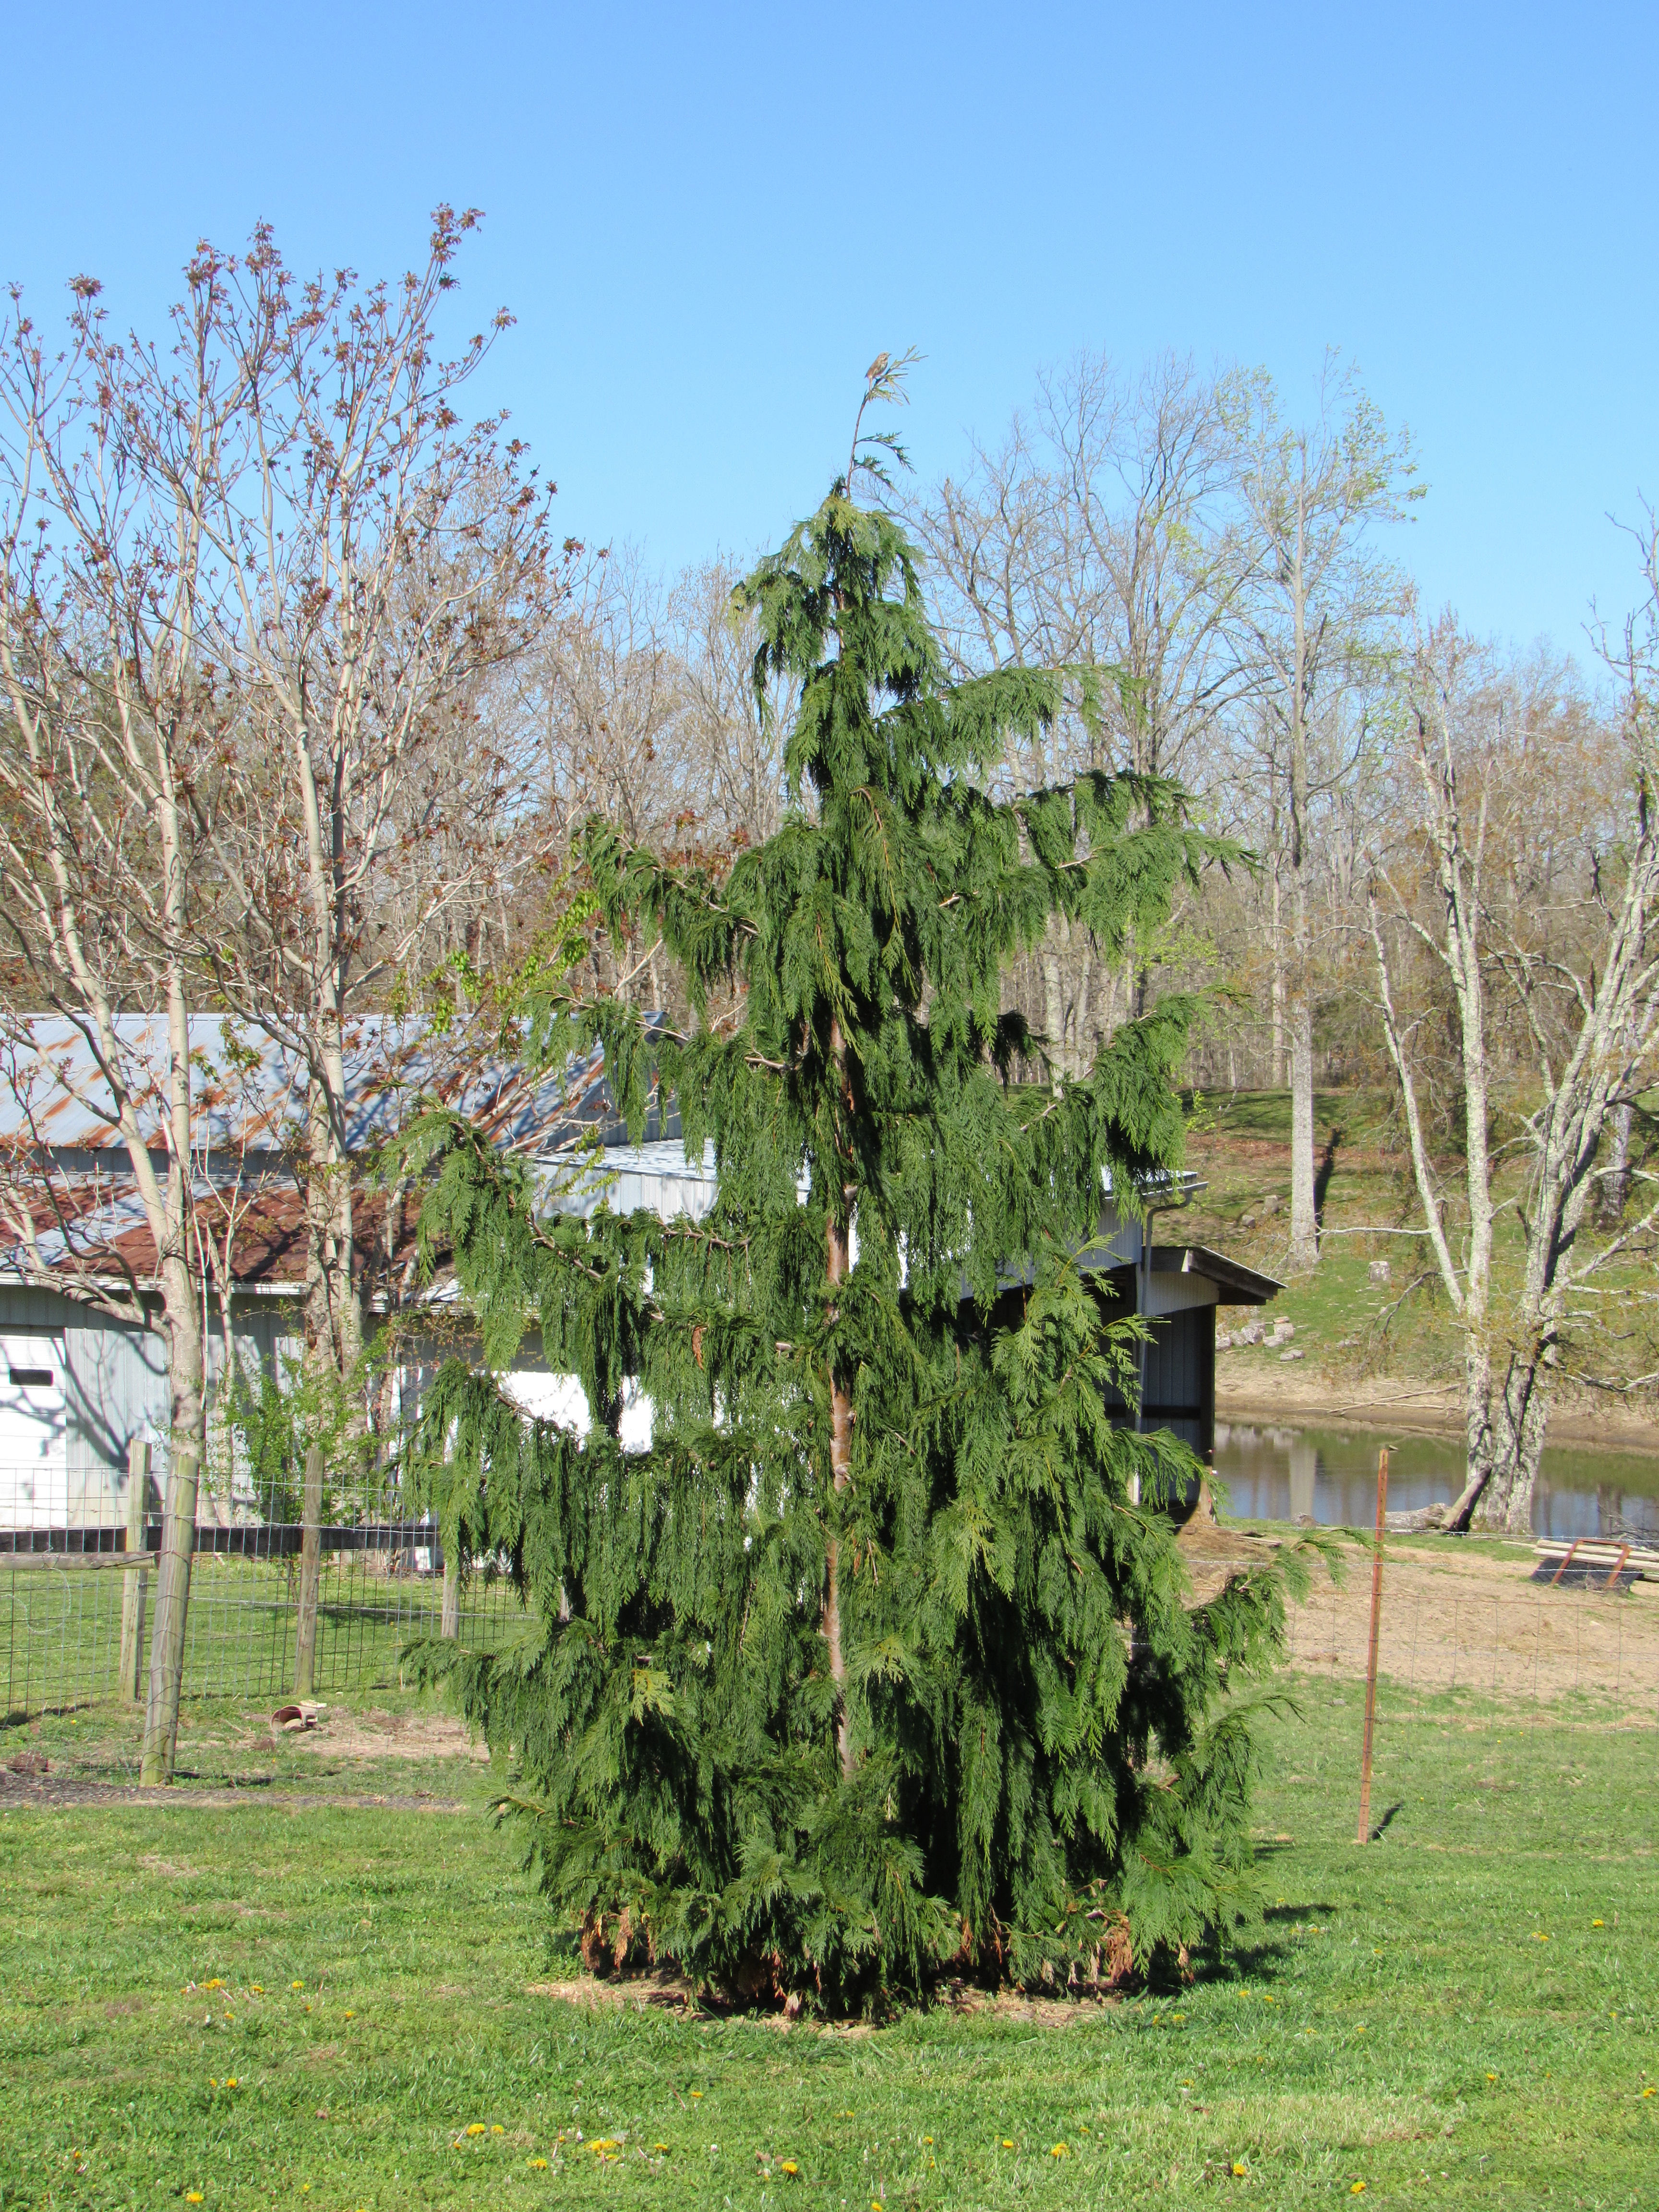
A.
pixel 663 1992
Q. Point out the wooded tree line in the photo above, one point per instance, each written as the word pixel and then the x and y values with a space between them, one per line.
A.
pixel 1445 880
pixel 307 704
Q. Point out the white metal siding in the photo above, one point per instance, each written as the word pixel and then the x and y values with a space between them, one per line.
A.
pixel 114 1387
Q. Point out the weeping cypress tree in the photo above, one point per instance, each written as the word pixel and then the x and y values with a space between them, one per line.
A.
pixel 878 1658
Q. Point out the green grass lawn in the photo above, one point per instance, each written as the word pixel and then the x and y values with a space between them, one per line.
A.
pixel 273 2003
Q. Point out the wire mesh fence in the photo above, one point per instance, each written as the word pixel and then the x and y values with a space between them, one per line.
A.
pixel 76 1577
pixel 61 1628
pixel 1505 1706
pixel 1520 1683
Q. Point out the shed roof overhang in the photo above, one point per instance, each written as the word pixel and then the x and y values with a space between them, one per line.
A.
pixel 1239 1286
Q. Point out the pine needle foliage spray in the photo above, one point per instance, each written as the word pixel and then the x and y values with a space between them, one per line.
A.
pixel 879 1663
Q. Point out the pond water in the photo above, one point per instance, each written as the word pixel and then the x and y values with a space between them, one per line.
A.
pixel 1273 1472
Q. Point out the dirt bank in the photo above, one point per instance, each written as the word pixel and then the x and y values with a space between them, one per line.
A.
pixel 1254 1386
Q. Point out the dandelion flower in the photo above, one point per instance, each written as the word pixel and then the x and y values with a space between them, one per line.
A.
pixel 539 2162
pixel 296 1985
pixel 1239 2169
pixel 1008 2142
pixel 231 2082
pixel 1598 1923
pixel 351 2015
pixel 1650 2091
pixel 498 2129
pixel 1492 2077
pixel 789 2166
pixel 257 1988
pixel 215 1983
pixel 1537 1936
pixel 927 2140
pixel 476 2128
pixel 192 2197
pixel 1060 2150
pixel 696 2092
pixel 1357 2189
pixel 664 2146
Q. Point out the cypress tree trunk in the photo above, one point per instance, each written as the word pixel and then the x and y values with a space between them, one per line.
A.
pixel 841 1467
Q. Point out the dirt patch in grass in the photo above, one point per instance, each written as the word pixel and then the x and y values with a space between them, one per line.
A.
pixel 377 1733
pixel 1454 1618
pixel 642 1992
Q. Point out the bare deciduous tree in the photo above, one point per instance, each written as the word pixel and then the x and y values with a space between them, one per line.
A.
pixel 1316 597
pixel 1101 534
pixel 1535 901
pixel 735 743
pixel 376 557
pixel 105 766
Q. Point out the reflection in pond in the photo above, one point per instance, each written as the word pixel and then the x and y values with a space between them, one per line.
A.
pixel 1273 1472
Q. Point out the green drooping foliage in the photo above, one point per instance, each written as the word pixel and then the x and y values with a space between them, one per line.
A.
pixel 878 1657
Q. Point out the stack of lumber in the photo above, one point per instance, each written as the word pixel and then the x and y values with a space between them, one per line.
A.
pixel 1596 1562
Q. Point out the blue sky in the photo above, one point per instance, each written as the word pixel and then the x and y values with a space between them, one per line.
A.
pixel 708 220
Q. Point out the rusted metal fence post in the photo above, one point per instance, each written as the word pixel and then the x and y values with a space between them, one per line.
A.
pixel 1364 1835
pixel 134 1583
pixel 311 1568
pixel 167 1645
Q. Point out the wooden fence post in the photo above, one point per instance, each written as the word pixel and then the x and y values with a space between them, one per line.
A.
pixel 166 1644
pixel 134 1583
pixel 449 1620
pixel 311 1569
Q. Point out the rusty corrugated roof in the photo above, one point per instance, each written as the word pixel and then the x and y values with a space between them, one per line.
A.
pixel 251 1090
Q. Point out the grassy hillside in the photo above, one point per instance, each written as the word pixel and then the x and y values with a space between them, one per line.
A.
pixel 1349 1324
